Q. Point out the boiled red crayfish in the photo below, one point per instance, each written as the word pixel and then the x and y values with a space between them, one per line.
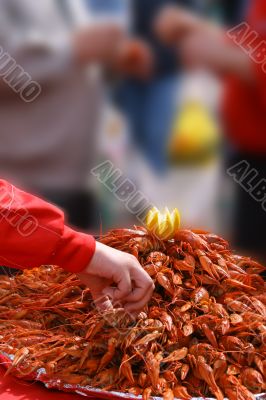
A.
pixel 202 334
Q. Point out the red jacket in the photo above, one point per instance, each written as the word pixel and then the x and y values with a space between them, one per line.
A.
pixel 245 104
pixel 33 233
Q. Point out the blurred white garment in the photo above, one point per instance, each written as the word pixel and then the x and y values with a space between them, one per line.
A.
pixel 49 143
pixel 193 190
pixel 193 86
pixel 81 15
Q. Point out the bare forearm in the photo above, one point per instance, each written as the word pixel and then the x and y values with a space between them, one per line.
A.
pixel 238 63
pixel 232 58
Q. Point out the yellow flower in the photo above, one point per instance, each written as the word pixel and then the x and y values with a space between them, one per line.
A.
pixel 163 225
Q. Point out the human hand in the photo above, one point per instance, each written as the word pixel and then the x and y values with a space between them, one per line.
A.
pixel 97 43
pixel 117 277
pixel 172 23
pixel 134 58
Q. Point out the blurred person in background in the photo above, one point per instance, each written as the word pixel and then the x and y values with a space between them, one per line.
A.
pixel 49 145
pixel 202 44
pixel 150 103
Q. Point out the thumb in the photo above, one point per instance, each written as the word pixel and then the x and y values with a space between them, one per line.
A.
pixel 101 301
pixel 111 293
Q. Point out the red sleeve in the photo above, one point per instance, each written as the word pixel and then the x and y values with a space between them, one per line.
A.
pixel 257 20
pixel 33 233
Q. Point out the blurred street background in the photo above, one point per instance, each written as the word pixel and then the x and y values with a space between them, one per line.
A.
pixel 156 117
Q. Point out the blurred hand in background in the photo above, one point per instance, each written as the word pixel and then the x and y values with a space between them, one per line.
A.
pixel 110 46
pixel 134 58
pixel 172 23
pixel 201 44
pixel 97 44
pixel 48 146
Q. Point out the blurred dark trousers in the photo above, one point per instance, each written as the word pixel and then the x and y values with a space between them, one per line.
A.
pixel 80 207
pixel 234 12
pixel 250 217
pixel 150 108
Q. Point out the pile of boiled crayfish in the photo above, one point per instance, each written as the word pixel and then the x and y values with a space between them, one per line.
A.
pixel 202 334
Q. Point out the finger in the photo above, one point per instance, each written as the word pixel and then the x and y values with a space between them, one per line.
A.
pixel 101 301
pixel 138 306
pixel 139 293
pixel 110 292
pixel 124 286
pixel 104 304
pixel 141 278
pixel 139 298
pixel 135 296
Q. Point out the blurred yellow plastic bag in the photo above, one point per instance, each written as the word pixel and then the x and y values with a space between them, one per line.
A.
pixel 195 136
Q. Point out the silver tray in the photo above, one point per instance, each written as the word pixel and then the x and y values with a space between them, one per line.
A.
pixel 86 391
